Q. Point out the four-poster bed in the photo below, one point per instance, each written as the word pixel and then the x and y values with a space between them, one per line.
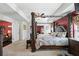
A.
pixel 35 37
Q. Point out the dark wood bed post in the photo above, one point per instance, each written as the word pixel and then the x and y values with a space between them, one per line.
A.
pixel 54 26
pixel 69 27
pixel 1 40
pixel 36 30
pixel 33 32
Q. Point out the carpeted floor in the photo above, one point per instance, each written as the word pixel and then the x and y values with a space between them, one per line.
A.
pixel 19 49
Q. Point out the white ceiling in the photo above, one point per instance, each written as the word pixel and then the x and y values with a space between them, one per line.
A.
pixel 22 11
pixel 6 10
pixel 46 8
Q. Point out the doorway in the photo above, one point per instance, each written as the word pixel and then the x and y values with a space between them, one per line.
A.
pixel 7 32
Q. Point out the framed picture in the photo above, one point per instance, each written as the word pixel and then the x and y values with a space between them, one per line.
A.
pixel 76 20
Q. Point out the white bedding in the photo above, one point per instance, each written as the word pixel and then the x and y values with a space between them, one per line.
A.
pixel 50 40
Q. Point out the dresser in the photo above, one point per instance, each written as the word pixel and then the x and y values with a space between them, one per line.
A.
pixel 73 47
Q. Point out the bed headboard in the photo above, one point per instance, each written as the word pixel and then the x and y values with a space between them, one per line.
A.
pixel 33 32
pixel 60 29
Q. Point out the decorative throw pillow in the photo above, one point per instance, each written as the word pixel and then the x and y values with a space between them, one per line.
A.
pixel 64 34
pixel 59 34
pixel 54 34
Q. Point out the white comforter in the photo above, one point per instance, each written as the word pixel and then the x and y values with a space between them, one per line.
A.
pixel 50 40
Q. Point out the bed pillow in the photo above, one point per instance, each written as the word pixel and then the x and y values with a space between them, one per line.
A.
pixel 54 34
pixel 59 34
pixel 40 36
pixel 64 34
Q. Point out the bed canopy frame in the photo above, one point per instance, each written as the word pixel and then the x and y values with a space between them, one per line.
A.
pixel 34 34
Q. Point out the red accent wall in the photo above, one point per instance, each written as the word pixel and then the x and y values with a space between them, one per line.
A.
pixel 6 24
pixel 63 21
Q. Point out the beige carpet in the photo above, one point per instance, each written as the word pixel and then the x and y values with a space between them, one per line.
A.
pixel 19 49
